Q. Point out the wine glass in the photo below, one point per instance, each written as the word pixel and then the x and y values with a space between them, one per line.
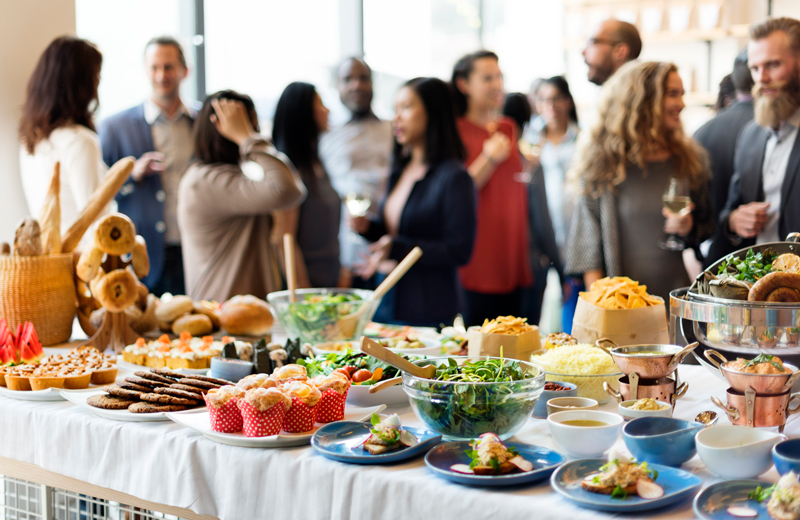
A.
pixel 676 200
pixel 531 152
pixel 358 204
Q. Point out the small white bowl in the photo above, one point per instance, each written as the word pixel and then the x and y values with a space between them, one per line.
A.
pixel 624 410
pixel 585 442
pixel 736 452
pixel 570 404
pixel 393 396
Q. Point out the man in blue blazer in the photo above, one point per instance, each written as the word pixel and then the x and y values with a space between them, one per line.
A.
pixel 159 129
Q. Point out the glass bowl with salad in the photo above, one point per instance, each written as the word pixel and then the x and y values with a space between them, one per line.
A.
pixel 470 396
pixel 322 315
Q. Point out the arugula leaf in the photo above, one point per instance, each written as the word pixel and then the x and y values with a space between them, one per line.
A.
pixel 759 494
pixel 473 455
pixel 375 419
pixel 619 494
pixel 495 464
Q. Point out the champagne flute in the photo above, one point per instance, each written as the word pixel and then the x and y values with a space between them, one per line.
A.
pixel 676 200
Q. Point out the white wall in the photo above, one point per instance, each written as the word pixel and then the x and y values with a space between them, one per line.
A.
pixel 26 28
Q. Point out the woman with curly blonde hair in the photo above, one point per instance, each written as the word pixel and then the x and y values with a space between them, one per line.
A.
pixel 624 166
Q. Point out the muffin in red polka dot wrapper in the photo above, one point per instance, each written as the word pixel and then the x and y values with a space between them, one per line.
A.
pixel 263 411
pixel 222 409
pixel 334 389
pixel 303 413
pixel 288 374
pixel 256 381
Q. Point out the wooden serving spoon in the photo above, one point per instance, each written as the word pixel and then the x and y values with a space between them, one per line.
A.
pixel 383 385
pixel 291 272
pixel 376 350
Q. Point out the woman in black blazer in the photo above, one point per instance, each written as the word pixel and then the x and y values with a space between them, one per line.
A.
pixel 430 203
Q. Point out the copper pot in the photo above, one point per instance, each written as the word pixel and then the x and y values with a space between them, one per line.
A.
pixel 761 383
pixel 649 366
pixel 661 389
pixel 755 410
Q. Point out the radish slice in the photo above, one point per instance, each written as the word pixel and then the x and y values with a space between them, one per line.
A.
pixel 648 489
pixel 742 512
pixel 408 438
pixel 462 468
pixel 521 463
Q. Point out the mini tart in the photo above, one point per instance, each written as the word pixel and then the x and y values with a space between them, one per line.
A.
pixel 77 381
pixel 46 381
pixel 18 382
pixel 104 376
pixel 3 372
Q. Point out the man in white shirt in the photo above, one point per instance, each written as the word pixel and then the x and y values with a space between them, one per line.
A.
pixel 764 186
pixel 161 130
pixel 356 156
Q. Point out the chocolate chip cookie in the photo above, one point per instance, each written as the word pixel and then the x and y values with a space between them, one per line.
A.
pixel 207 379
pixel 154 377
pixel 179 393
pixel 167 372
pixel 167 399
pixel 144 382
pixel 133 386
pixel 205 385
pixel 124 393
pixel 154 408
pixel 109 402
pixel 188 388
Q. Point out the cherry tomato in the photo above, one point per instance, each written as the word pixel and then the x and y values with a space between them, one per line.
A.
pixel 350 369
pixel 362 375
pixel 343 371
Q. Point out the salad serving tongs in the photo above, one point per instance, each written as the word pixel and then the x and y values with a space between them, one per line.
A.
pixel 376 350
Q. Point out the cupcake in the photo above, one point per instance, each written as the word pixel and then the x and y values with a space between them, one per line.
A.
pixel 303 413
pixel 334 389
pixel 289 373
pixel 256 381
pixel 222 407
pixel 263 411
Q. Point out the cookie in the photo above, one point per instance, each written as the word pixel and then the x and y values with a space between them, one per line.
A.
pixel 133 386
pixel 154 377
pixel 214 380
pixel 166 372
pixel 167 399
pixel 144 382
pixel 179 393
pixel 188 388
pixel 205 385
pixel 154 408
pixel 132 395
pixel 109 402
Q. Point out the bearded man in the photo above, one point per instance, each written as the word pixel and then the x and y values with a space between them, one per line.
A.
pixel 764 198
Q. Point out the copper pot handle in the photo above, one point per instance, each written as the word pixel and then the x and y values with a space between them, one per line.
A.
pixel 613 393
pixel 789 410
pixel 791 381
pixel 678 357
pixel 732 413
pixel 681 391
pixel 715 358
pixel 599 344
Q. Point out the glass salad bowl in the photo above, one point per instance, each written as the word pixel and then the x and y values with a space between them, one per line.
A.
pixel 464 410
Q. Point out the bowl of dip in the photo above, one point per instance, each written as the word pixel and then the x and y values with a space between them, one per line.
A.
pixel 585 434
pixel 570 404
pixel 646 407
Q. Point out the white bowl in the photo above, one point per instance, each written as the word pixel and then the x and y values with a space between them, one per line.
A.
pixel 393 396
pixel 624 410
pixel 433 347
pixel 585 442
pixel 570 404
pixel 736 452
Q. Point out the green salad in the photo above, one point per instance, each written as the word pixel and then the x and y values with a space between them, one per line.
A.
pixel 324 365
pixel 315 319
pixel 754 266
pixel 454 405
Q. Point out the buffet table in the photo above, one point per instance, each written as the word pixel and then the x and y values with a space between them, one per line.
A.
pixel 165 463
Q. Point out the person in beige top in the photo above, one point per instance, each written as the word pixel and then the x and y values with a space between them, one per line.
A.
pixel 224 215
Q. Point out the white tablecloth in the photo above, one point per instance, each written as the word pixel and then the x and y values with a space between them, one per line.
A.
pixel 167 463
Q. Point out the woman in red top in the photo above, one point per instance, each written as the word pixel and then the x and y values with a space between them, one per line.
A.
pixel 499 266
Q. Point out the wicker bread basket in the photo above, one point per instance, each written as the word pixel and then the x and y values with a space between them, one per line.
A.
pixel 39 289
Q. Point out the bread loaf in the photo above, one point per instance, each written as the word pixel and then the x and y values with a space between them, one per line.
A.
pixel 50 216
pixel 28 238
pixel 246 315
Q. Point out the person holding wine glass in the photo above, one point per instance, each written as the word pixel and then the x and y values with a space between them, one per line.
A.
pixel 430 203
pixel 635 152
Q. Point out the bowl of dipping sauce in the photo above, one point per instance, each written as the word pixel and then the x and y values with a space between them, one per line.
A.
pixel 552 390
pixel 585 434
pixel 570 404
pixel 647 407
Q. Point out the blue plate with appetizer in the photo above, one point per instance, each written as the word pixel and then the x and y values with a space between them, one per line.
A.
pixel 757 499
pixel 378 443
pixel 486 461
pixel 620 485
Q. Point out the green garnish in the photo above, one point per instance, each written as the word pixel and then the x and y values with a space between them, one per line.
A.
pixel 764 358
pixel 619 493
pixel 495 464
pixel 759 494
pixel 754 266
pixel 375 419
pixel 596 480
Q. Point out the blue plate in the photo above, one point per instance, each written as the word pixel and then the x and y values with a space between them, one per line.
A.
pixel 713 502
pixel 342 441
pixel 678 485
pixel 443 456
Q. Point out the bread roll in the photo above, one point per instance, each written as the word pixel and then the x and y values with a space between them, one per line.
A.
pixel 117 290
pixel 115 234
pixel 50 215
pixel 139 259
pixel 89 263
pixel 171 310
pixel 194 324
pixel 28 238
pixel 246 315
pixel 209 309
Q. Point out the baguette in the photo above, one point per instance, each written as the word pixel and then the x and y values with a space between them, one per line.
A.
pixel 105 193
pixel 50 216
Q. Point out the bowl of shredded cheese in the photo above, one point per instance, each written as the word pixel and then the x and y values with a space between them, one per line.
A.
pixel 586 366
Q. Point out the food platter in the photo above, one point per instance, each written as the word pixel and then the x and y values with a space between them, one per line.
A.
pixel 713 502
pixel 199 422
pixel 79 397
pixel 342 441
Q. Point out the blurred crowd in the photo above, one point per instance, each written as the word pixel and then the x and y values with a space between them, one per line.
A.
pixel 498 189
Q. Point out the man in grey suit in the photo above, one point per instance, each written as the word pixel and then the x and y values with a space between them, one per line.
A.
pixel 762 201
pixel 719 135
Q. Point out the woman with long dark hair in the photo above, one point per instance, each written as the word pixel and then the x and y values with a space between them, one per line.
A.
pixel 430 203
pixel 300 118
pixel 500 264
pixel 224 215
